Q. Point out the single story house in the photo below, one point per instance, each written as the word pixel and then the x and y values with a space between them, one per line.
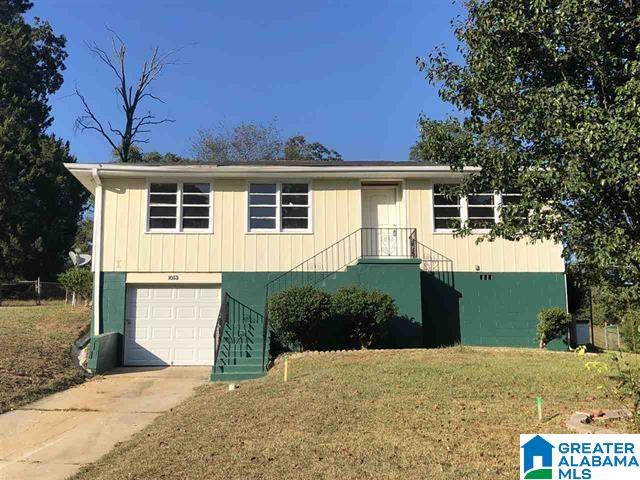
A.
pixel 185 256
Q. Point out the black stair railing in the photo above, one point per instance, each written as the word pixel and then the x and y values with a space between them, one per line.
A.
pixel 385 242
pixel 236 328
pixel 223 318
pixel 435 263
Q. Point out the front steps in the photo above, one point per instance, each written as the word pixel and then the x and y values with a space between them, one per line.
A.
pixel 241 355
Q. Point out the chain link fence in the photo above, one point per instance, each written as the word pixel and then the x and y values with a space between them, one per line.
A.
pixel 32 293
pixel 607 337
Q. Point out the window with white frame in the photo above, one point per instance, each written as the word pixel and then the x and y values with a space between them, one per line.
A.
pixel 279 206
pixel 481 211
pixel 513 199
pixel 446 209
pixel 179 207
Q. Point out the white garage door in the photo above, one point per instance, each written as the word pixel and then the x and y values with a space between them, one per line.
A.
pixel 169 325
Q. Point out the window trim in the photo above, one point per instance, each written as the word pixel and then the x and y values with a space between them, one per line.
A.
pixel 464 212
pixel 179 213
pixel 278 230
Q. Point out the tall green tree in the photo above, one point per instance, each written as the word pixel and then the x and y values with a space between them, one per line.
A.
pixel 40 203
pixel 548 95
pixel 298 149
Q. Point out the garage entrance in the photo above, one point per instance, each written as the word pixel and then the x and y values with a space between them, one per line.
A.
pixel 170 325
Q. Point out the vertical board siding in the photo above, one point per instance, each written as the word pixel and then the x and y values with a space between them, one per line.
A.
pixel 336 212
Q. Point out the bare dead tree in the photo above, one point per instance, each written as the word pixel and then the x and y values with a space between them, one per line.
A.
pixel 136 125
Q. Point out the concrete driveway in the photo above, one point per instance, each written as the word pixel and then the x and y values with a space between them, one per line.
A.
pixel 53 437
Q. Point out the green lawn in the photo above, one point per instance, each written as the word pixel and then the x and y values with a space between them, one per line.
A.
pixel 35 351
pixel 425 414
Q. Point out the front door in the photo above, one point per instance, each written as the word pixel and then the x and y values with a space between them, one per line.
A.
pixel 380 222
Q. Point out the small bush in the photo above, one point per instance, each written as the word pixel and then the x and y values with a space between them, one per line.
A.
pixel 298 315
pixel 630 331
pixel 552 323
pixel 78 280
pixel 363 313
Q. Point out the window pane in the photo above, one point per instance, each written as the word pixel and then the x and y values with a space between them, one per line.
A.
pixel 262 188
pixel 448 223
pixel 262 199
pixel 294 212
pixel 295 188
pixel 262 212
pixel 481 223
pixel 196 188
pixel 484 212
pixel 481 199
pixel 195 211
pixel 162 211
pixel 439 197
pixel 162 223
pixel 262 223
pixel 447 212
pixel 195 199
pixel 294 223
pixel 168 199
pixel 164 187
pixel 294 199
pixel 195 223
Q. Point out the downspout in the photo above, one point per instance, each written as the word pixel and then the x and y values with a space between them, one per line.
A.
pixel 97 250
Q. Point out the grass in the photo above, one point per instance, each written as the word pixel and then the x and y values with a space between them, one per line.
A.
pixel 35 351
pixel 436 414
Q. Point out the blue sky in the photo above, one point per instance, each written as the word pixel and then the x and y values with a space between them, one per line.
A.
pixel 339 72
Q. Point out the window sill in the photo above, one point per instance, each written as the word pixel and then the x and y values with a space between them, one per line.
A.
pixel 275 232
pixel 176 232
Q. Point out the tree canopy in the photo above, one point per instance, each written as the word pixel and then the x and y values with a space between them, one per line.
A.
pixel 40 203
pixel 256 142
pixel 548 104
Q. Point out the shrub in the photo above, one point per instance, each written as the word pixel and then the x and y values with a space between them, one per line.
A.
pixel 630 330
pixel 297 316
pixel 552 323
pixel 78 280
pixel 364 313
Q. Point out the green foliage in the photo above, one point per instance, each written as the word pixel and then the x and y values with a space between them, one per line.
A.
pixel 256 142
pixel 364 313
pixel 622 382
pixel 40 202
pixel 298 316
pixel 630 330
pixel 627 389
pixel 78 280
pixel 136 155
pixel 297 149
pixel 548 94
pixel 553 323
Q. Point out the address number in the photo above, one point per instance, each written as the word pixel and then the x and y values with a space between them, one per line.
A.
pixel 173 277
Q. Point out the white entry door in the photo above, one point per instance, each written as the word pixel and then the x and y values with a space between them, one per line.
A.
pixel 379 222
pixel 170 325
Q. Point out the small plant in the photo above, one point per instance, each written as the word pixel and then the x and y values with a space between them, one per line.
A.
pixel 553 323
pixel 79 281
pixel 364 313
pixel 298 315
pixel 630 330
pixel 622 383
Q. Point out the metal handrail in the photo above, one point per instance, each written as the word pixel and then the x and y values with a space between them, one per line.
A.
pixel 385 242
pixel 435 263
pixel 223 318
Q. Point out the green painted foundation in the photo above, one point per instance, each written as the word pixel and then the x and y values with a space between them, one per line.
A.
pixel 106 348
pixel 440 309
pixel 497 309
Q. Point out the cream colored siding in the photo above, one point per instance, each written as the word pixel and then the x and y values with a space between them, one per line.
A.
pixel 127 248
pixel 336 212
pixel 497 256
